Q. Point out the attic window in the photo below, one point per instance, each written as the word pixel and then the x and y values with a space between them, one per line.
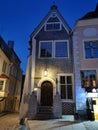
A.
pixel 53 14
pixel 53 26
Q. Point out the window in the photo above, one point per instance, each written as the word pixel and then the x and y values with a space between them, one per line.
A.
pixel 61 49
pixel 66 87
pixel 46 49
pixel 1 85
pixel 53 49
pixel 91 49
pixel 53 26
pixel 4 67
pixel 88 78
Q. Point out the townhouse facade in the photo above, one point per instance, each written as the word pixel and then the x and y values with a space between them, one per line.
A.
pixel 10 77
pixel 85 49
pixel 62 68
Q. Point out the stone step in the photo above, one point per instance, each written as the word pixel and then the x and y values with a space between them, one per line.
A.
pixel 45 109
pixel 44 113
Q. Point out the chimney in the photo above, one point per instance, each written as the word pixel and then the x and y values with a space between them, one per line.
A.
pixel 11 44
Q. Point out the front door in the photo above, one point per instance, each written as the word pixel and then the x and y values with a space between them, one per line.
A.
pixel 46 94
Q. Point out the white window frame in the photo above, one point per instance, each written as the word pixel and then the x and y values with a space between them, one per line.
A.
pixel 67 74
pixel 54 49
pixel 40 50
pixel 45 27
pixel 2 84
pixel 67 48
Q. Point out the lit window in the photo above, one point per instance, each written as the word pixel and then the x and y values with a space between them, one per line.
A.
pixel 66 87
pixel 1 85
pixel 61 49
pixel 88 78
pixel 91 49
pixel 46 49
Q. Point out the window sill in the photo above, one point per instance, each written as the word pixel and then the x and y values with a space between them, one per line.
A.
pixel 67 100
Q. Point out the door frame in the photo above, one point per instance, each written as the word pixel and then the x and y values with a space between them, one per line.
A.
pixel 39 87
pixel 47 91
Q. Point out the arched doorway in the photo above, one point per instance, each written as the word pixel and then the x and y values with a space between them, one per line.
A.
pixel 46 94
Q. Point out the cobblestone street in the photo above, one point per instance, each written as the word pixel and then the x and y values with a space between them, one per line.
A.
pixel 10 122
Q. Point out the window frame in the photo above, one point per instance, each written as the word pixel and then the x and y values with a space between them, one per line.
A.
pixel 45 27
pixel 88 77
pixel 59 86
pixel 40 50
pixel 53 49
pixel 2 85
pixel 58 41
pixel 91 40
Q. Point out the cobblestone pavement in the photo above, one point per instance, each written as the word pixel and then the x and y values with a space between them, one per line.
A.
pixel 11 122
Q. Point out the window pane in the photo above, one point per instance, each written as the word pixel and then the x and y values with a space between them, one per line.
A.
pixel 95 52
pixel 92 78
pixel 91 49
pixel 57 26
pixel 62 79
pixel 61 49
pixel 66 87
pixel 49 26
pixel 1 85
pixel 88 53
pixel 84 76
pixel 69 91
pixel 87 44
pixel 63 91
pixel 69 80
pixel 46 49
pixel 94 43
pixel 53 26
pixel 88 78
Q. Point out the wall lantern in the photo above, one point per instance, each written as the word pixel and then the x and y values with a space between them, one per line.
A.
pixel 45 72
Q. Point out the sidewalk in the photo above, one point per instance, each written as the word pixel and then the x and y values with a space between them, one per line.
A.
pixel 61 124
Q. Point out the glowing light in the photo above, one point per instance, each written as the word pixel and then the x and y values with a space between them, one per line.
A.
pixel 45 72
pixel 35 89
pixel 94 90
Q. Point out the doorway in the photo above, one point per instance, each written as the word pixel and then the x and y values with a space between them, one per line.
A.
pixel 46 94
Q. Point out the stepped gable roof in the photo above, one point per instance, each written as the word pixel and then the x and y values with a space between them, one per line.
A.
pixel 53 8
pixel 91 15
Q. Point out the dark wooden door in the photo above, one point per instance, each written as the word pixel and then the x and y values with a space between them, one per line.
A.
pixel 46 94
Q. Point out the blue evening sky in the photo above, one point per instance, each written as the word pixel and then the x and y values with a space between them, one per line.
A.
pixel 18 18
